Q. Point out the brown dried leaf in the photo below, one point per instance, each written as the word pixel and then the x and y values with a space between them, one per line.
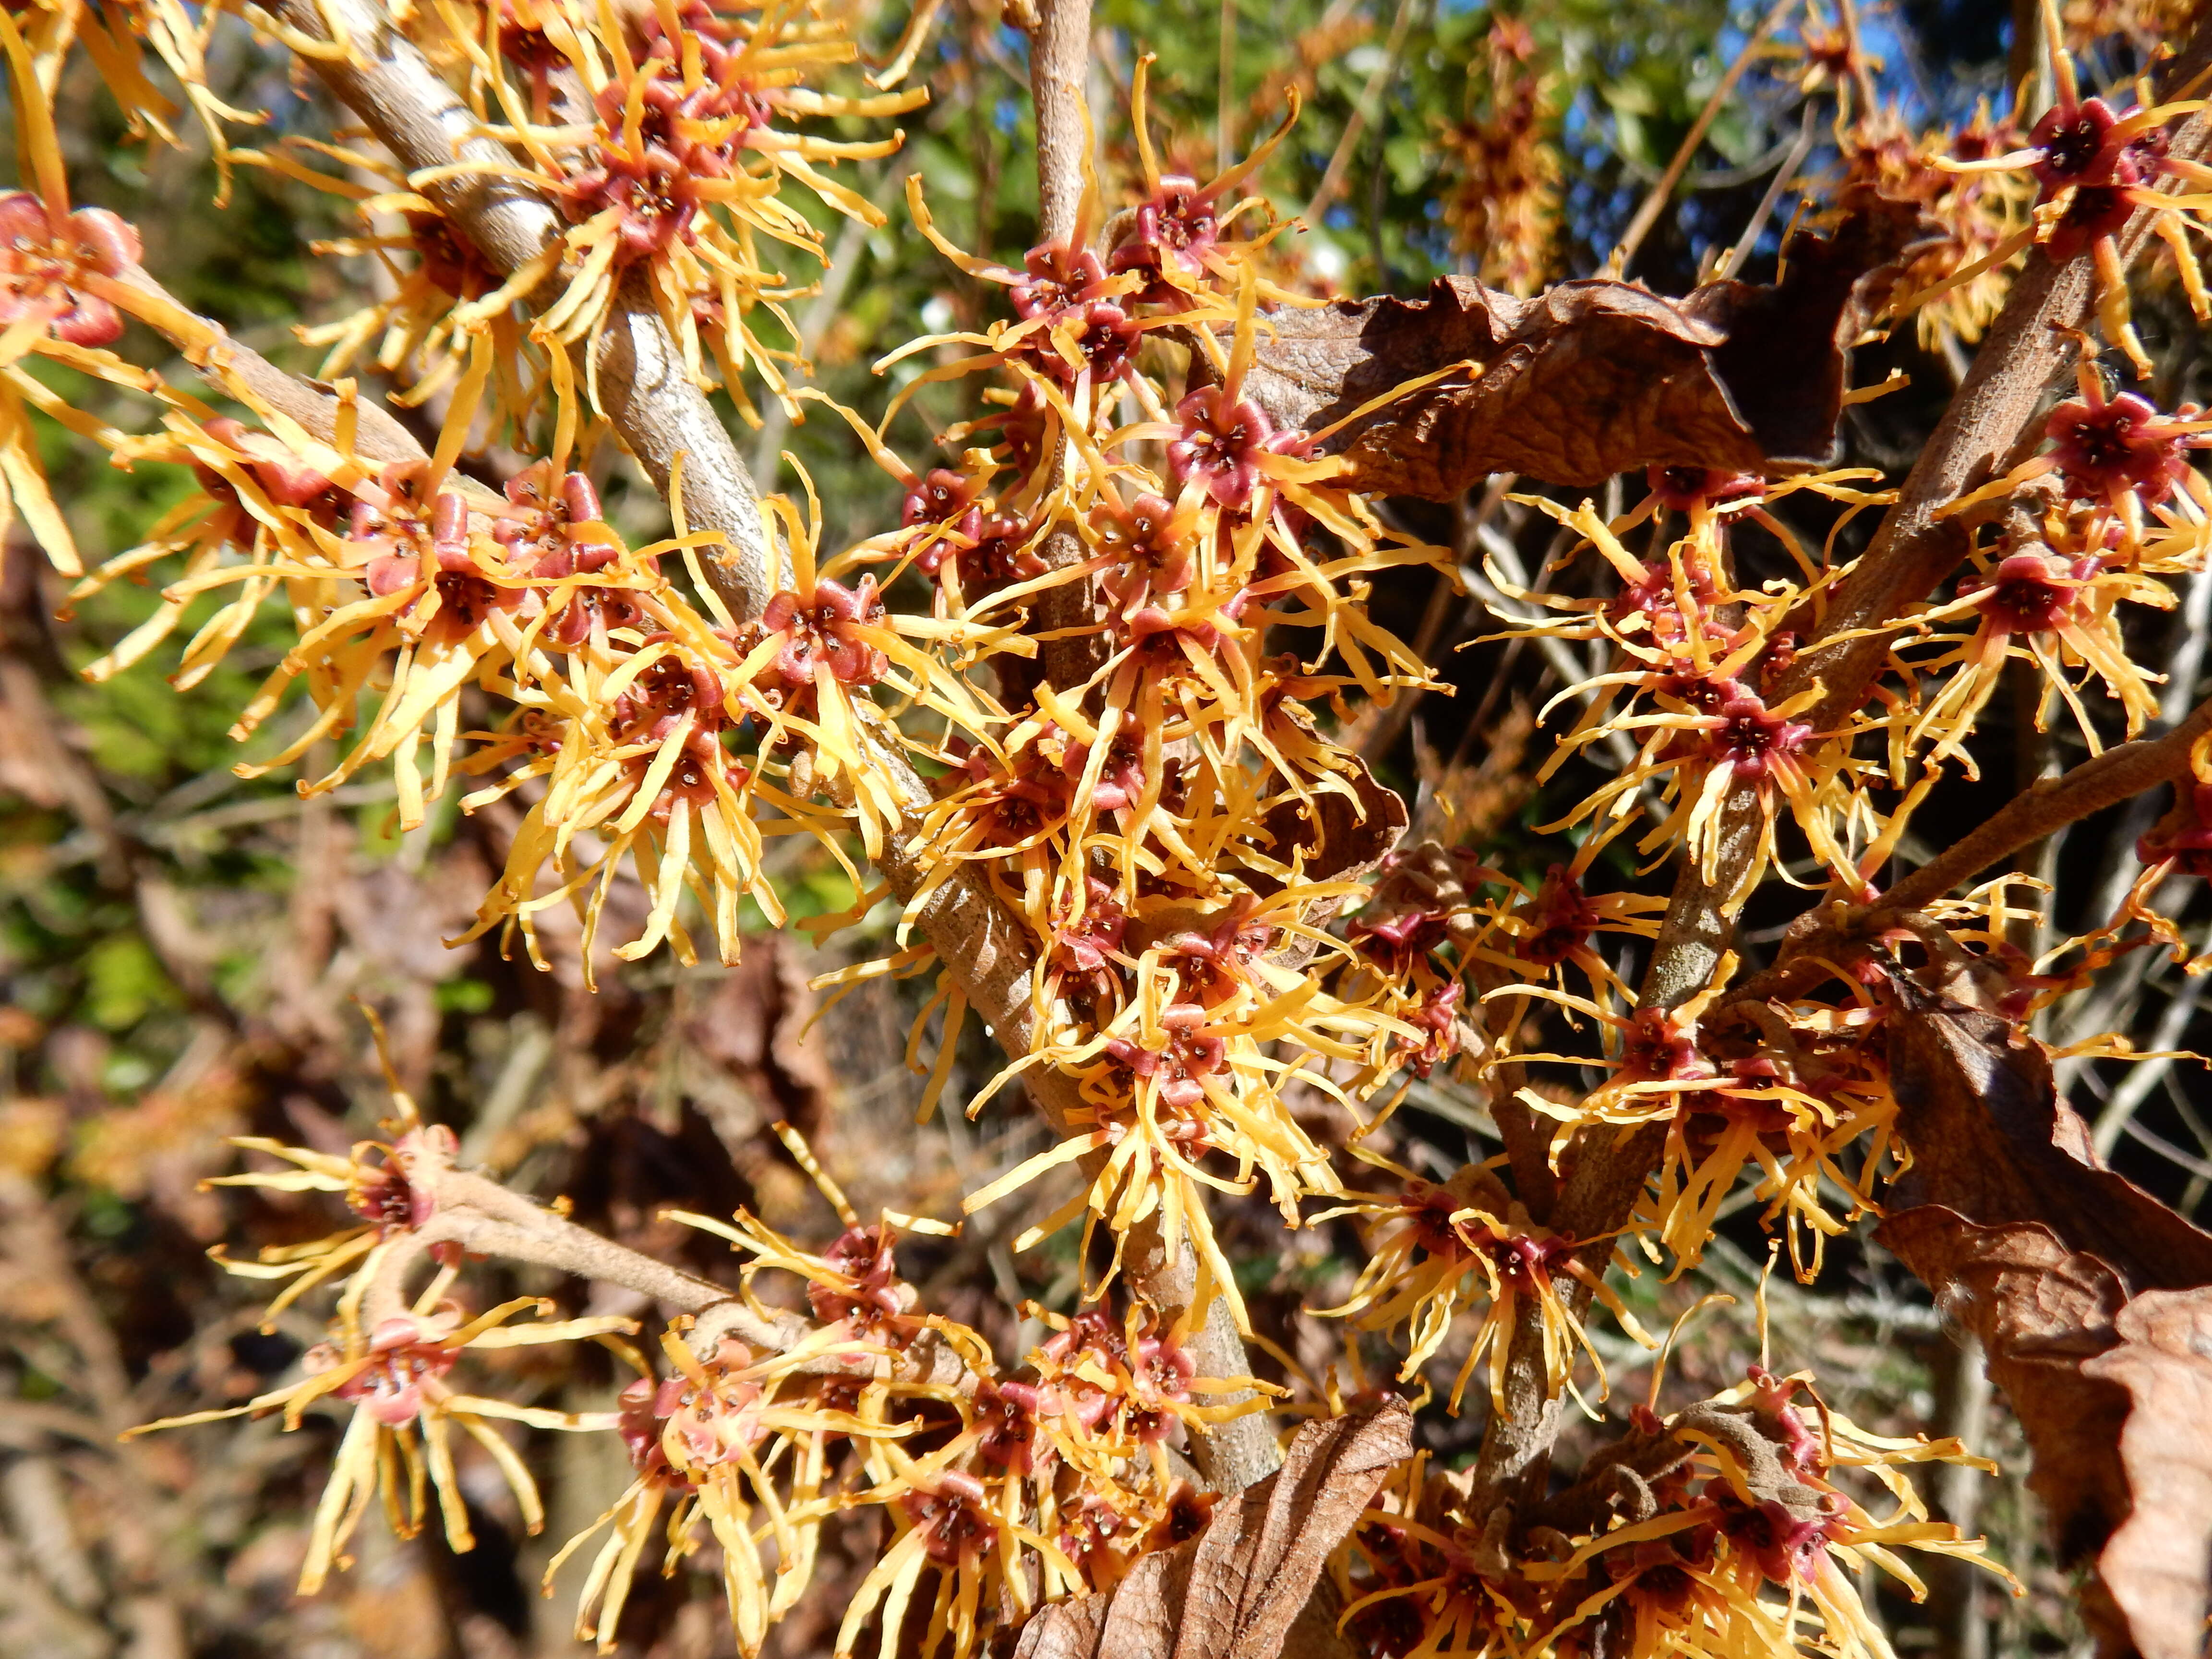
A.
pixel 1235 1591
pixel 1591 378
pixel 2156 1565
pixel 1337 837
pixel 1991 1140
pixel 2084 1291
pixel 2040 1311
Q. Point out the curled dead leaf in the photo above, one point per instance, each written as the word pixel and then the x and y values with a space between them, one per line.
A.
pixel 2041 1312
pixel 1237 1590
pixel 1589 378
pixel 2087 1297
pixel 2154 1567
pixel 1991 1140
pixel 1341 835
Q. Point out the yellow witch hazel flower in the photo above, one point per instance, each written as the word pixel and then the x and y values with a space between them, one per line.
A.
pixel 1794 1107
pixel 1437 1250
pixel 1181 1085
pixel 448 312
pixel 394 1373
pixel 1719 1531
pixel 743 1444
pixel 1747 1507
pixel 672 173
pixel 410 587
pixel 1704 733
pixel 391 1359
pixel 407 584
pixel 628 752
pixel 383 1183
pixel 61 298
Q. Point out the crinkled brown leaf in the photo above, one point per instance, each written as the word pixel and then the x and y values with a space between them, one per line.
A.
pixel 1589 378
pixel 2040 1311
pixel 2083 1289
pixel 1235 1591
pixel 2156 1565
pixel 1336 836
pixel 1991 1140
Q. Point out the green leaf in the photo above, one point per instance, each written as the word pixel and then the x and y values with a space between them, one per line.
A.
pixel 124 983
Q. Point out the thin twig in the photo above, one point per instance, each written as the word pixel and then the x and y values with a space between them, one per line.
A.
pixel 1861 71
pixel 1798 151
pixel 1058 68
pixel 1225 120
pixel 1655 202
pixel 2145 1075
pixel 1363 112
pixel 2047 806
pixel 2097 783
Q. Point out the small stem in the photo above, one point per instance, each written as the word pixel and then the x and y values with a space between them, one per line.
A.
pixel 2051 804
pixel 1798 151
pixel 237 370
pixel 2037 812
pixel 666 420
pixel 1225 119
pixel 483 1218
pixel 1527 1133
pixel 1059 59
pixel 1363 112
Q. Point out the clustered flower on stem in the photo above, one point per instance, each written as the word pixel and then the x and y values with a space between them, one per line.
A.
pixel 60 299
pixel 1807 1108
pixel 1720 1529
pixel 1034 1485
pixel 1155 825
pixel 1954 288
pixel 2097 519
pixel 668 150
pixel 1434 1250
pixel 641 727
pixel 390 1355
pixel 2094 167
pixel 1685 633
pixel 1045 1482
pixel 1503 202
